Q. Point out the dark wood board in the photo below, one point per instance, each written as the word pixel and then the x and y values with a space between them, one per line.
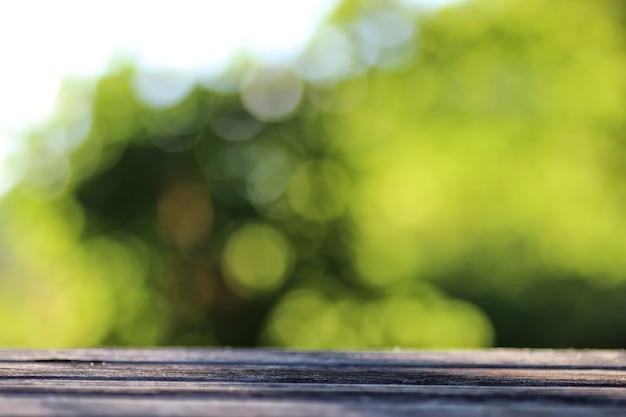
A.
pixel 249 382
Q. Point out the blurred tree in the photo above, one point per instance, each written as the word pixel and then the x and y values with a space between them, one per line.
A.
pixel 459 182
pixel 497 162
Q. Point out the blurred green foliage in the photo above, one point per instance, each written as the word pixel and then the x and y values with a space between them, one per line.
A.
pixel 454 180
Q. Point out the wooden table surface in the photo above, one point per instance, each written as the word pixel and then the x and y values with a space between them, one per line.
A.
pixel 225 382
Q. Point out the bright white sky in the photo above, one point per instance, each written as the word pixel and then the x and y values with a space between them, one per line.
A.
pixel 43 41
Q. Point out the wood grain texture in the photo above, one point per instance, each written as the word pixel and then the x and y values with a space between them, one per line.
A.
pixel 226 382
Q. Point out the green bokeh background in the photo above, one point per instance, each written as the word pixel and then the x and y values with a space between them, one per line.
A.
pixel 441 180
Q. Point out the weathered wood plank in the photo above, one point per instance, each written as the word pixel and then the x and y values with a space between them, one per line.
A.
pixel 497 357
pixel 225 382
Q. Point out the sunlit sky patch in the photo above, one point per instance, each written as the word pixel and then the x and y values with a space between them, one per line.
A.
pixel 43 42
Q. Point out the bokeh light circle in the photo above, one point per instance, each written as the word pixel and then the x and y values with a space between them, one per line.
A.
pixel 257 258
pixel 271 95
